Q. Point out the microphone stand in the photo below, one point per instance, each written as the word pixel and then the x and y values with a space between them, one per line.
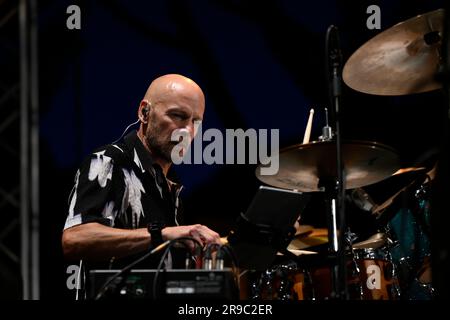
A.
pixel 336 188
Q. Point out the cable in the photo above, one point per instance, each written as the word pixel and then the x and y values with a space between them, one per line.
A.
pixel 219 264
pixel 229 251
pixel 207 258
pixel 128 267
pixel 163 257
pixel 125 131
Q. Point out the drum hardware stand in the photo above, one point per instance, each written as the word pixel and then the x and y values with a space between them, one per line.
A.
pixel 335 188
pixel 350 237
pixel 395 289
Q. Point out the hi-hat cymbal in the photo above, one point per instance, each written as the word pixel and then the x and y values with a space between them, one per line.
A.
pixel 303 230
pixel 376 241
pixel 306 167
pixel 401 60
pixel 298 252
pixel 315 238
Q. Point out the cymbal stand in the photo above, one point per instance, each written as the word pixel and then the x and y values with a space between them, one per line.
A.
pixel 336 188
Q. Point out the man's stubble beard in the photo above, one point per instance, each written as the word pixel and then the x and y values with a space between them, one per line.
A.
pixel 159 149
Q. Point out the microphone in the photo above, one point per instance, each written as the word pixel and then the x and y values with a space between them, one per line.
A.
pixel 334 45
pixel 334 61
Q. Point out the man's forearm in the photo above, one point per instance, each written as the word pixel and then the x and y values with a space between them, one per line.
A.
pixel 94 241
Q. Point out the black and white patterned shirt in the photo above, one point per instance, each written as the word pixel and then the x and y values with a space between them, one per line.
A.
pixel 120 186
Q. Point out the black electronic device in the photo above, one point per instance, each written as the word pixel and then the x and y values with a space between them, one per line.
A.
pixel 171 284
pixel 266 227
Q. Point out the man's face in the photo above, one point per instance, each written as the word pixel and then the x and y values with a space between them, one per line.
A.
pixel 178 110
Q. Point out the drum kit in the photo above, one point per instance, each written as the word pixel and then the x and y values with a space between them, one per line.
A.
pixel 389 264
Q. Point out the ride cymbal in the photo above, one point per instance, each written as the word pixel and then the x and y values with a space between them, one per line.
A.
pixel 376 241
pixel 403 59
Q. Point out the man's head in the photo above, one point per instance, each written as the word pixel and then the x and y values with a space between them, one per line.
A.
pixel 171 102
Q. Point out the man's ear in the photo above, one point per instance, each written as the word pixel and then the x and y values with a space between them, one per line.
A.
pixel 144 109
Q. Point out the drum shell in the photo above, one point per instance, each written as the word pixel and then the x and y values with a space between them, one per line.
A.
pixel 377 274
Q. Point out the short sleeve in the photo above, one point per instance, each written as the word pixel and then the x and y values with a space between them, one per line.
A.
pixel 96 195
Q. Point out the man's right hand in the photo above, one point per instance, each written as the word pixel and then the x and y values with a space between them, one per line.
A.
pixel 199 232
pixel 94 241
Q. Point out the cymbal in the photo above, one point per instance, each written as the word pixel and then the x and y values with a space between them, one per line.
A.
pixel 376 241
pixel 305 167
pixel 319 233
pixel 298 252
pixel 315 238
pixel 303 230
pixel 401 60
pixel 409 169
pixel 383 190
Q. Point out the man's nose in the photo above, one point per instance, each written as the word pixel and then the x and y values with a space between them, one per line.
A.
pixel 191 129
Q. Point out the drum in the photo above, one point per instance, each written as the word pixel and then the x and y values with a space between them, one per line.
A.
pixel 409 228
pixel 284 281
pixel 321 281
pixel 289 282
pixel 371 275
pixel 377 274
pixel 319 275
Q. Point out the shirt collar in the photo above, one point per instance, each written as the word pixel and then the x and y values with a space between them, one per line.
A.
pixel 145 160
pixel 135 146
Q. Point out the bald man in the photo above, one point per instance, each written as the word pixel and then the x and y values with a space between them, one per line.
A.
pixel 123 202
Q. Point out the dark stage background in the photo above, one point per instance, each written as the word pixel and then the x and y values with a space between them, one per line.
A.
pixel 260 64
